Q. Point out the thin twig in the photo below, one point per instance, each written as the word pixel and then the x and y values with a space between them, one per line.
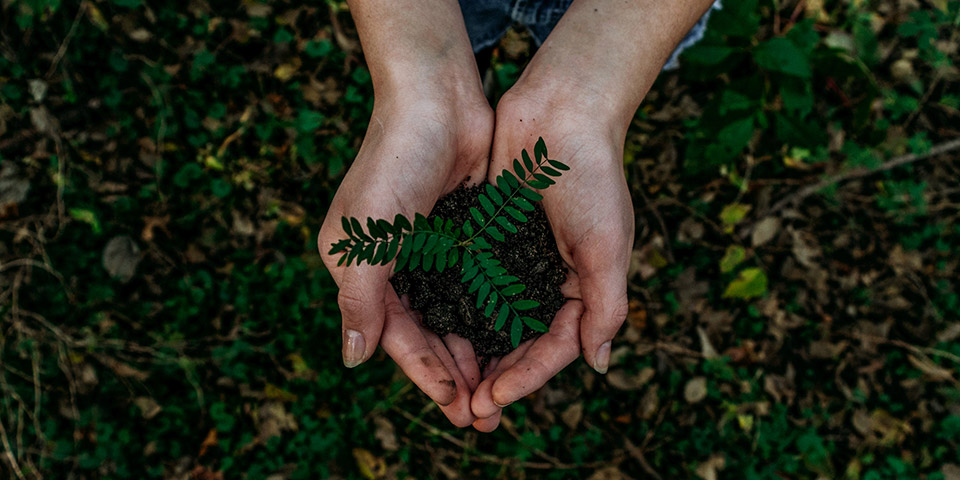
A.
pixel 663 225
pixel 66 40
pixel 487 458
pixel 894 162
pixel 9 452
pixel 637 455
pixel 900 343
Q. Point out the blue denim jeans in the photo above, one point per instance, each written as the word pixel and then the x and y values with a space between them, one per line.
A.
pixel 488 20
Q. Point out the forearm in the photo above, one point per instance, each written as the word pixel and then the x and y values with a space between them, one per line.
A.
pixel 412 46
pixel 605 55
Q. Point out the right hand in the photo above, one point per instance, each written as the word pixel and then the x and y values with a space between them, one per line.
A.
pixel 415 151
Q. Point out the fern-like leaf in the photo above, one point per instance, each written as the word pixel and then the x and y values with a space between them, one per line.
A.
pixel 510 194
pixel 382 241
pixel 493 286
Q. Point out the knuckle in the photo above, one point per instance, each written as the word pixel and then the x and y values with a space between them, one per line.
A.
pixel 351 305
pixel 394 309
pixel 620 309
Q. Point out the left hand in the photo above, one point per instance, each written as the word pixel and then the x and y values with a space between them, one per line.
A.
pixel 591 215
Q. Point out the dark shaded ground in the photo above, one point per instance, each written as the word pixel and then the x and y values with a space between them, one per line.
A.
pixel 165 167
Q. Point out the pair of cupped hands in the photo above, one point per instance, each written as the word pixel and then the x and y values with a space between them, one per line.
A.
pixel 422 144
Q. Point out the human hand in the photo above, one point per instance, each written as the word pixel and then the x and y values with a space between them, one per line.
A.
pixel 430 130
pixel 591 215
pixel 416 150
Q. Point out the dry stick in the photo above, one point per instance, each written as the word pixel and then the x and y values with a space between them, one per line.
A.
pixel 9 452
pixel 66 40
pixel 637 455
pixel 863 172
pixel 663 226
pixel 900 343
pixel 487 458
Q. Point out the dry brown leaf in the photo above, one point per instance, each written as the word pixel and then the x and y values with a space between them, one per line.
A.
pixel 621 380
pixel 572 415
pixel 708 469
pixel 649 403
pixel 149 407
pixel 272 420
pixel 951 471
pixel 695 390
pixel 386 434
pixel 765 230
pixel 208 442
pixel 121 257
pixel 706 348
pixel 609 473
pixel 933 371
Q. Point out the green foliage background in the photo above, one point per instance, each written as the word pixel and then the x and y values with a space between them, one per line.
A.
pixel 815 338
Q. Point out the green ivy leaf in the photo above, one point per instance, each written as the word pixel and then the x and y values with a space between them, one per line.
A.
pixel 781 55
pixel 733 256
pixel 751 283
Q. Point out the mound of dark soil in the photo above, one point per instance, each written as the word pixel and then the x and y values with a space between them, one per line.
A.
pixel 530 254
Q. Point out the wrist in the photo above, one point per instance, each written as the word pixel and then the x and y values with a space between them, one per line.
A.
pixel 424 78
pixel 588 105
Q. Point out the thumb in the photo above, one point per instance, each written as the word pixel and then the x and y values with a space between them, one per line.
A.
pixel 604 295
pixel 361 300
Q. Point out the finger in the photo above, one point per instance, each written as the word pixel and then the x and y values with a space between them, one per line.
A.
pixel 549 354
pixel 458 411
pixel 604 293
pixel 465 358
pixel 482 403
pixel 571 287
pixel 489 424
pixel 493 364
pixel 361 300
pixel 406 344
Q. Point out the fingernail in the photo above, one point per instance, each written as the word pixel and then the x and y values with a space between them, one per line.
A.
pixel 353 348
pixel 602 360
pixel 501 406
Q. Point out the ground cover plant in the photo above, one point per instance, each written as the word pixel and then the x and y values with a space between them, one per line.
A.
pixel 438 243
pixel 164 169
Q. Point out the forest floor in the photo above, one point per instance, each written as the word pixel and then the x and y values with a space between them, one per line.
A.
pixel 164 170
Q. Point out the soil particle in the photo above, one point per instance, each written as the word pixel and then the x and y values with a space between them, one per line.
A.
pixel 530 254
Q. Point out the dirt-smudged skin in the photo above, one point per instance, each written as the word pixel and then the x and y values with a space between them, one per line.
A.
pixel 530 254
